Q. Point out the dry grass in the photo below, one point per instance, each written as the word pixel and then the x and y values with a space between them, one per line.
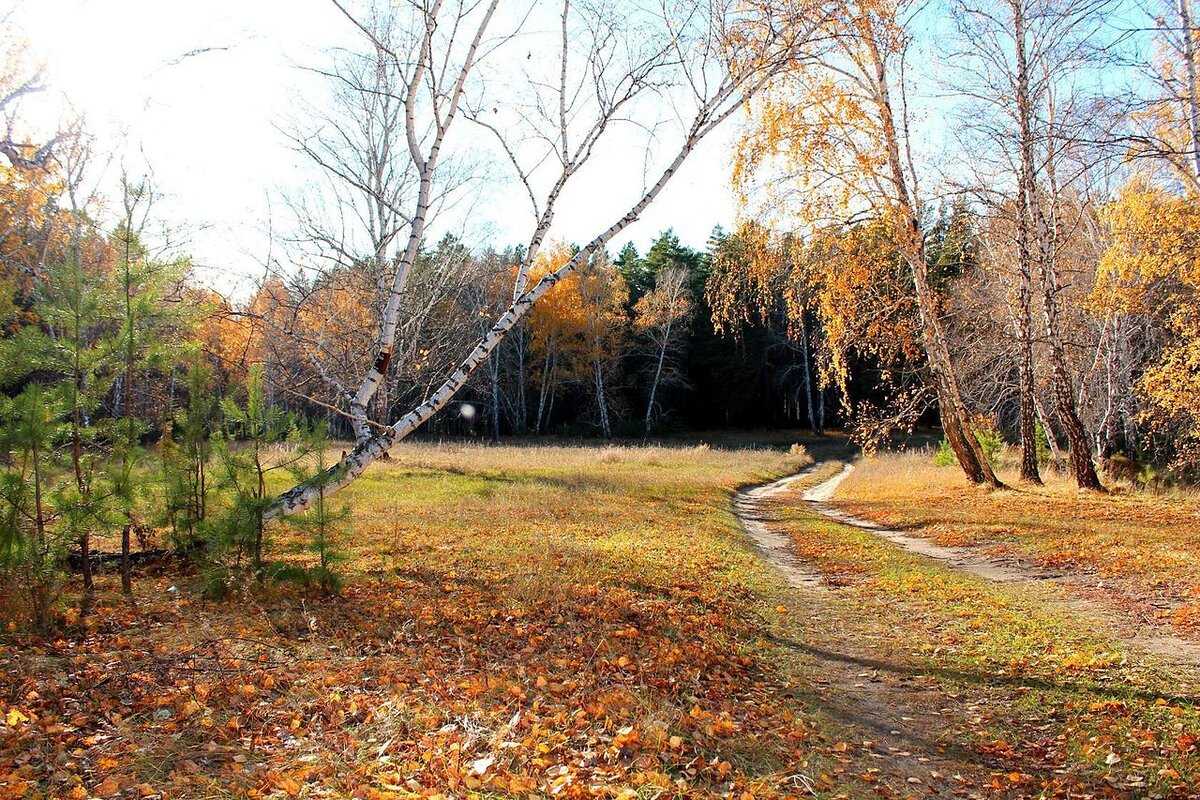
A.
pixel 1144 546
pixel 517 620
pixel 1059 706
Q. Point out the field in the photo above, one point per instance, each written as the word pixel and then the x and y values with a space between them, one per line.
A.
pixel 516 619
pixel 1139 550
pixel 593 622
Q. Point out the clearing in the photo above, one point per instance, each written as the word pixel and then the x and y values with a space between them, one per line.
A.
pixel 593 622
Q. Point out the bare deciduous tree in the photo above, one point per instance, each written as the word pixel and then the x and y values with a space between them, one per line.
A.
pixel 687 63
pixel 661 316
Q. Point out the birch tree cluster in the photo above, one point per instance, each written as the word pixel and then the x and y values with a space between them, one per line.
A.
pixel 1014 280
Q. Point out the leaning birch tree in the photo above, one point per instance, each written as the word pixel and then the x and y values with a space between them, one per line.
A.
pixel 678 66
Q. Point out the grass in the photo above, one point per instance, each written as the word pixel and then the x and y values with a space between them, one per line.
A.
pixel 1054 688
pixel 574 621
pixel 1143 548
pixel 586 622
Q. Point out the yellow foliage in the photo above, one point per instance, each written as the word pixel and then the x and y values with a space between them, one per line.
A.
pixel 1153 266
pixel 581 318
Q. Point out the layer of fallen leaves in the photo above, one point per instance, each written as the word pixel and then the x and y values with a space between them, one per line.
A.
pixel 578 624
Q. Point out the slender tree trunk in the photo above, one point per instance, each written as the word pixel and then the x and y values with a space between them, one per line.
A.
pixel 1026 200
pixel 547 369
pixel 1048 431
pixel 130 432
pixel 522 410
pixel 258 530
pixel 1080 449
pixel 807 371
pixel 1193 90
pixel 601 401
pixel 1045 261
pixel 553 396
pixel 820 410
pixel 658 368
pixel 494 369
pixel 1029 462
pixel 956 422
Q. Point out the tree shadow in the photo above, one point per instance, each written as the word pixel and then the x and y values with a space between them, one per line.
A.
pixel 983 679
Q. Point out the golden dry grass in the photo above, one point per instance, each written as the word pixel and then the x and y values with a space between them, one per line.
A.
pixel 1146 546
pixel 517 620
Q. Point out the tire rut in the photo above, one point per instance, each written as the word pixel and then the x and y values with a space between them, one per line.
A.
pixel 972 560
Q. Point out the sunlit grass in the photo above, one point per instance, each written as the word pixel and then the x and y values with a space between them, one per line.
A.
pixel 1050 683
pixel 515 620
pixel 1146 545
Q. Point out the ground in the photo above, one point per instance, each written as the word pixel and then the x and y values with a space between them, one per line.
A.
pixel 595 622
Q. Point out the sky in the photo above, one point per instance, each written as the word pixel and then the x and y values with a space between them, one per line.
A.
pixel 195 94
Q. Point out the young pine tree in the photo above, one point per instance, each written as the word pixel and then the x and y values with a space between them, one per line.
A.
pixel 31 545
pixel 323 526
pixel 247 454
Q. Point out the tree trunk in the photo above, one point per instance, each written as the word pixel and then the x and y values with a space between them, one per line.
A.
pixel 662 357
pixel 1048 431
pixel 1193 91
pixel 494 369
pixel 1026 202
pixel 126 573
pixel 547 369
pixel 1080 450
pixel 601 401
pixel 820 411
pixel 522 423
pixel 956 422
pixel 1036 226
pixel 807 372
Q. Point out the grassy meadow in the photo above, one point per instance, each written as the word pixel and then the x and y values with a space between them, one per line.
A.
pixel 571 620
pixel 1140 548
pixel 592 622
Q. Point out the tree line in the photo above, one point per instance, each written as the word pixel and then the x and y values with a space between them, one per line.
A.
pixel 625 346
pixel 1044 291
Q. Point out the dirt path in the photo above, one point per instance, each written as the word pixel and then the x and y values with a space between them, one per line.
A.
pixel 916 728
pixel 1073 600
pixel 775 547
pixel 961 558
pixel 888 717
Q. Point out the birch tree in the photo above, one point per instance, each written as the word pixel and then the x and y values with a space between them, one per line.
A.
pixel 839 131
pixel 690 64
pixel 1026 61
pixel 1166 120
pixel 662 316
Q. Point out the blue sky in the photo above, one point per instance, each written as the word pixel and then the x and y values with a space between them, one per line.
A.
pixel 194 92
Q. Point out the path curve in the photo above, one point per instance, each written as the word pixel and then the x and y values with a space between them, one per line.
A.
pixel 777 549
pixel 962 558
